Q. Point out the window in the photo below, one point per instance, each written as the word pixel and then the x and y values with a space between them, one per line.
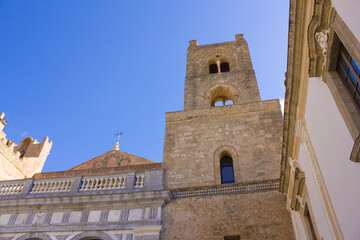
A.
pixel 224 67
pixel 227 170
pixel 348 71
pixel 213 68
pixel 235 237
pixel 309 223
pixel 222 95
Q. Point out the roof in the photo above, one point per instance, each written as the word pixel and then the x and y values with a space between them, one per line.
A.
pixel 113 158
pixel 111 162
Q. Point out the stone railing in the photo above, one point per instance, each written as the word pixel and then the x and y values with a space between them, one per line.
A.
pixel 11 188
pixel 139 181
pixel 103 183
pixel 43 186
pixel 80 185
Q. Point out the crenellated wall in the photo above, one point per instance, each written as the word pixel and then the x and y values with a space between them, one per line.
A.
pixel 23 160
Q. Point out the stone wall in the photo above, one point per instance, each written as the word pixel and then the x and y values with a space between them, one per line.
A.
pixel 195 140
pixel 240 80
pixel 260 215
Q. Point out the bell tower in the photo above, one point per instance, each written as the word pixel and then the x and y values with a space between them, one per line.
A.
pixel 223 117
pixel 226 140
pixel 219 74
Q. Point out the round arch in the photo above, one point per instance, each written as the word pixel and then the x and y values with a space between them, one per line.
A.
pixel 220 55
pixel 226 150
pixel 222 92
pixel 93 234
pixel 37 236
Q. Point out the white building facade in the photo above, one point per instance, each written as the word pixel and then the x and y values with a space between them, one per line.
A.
pixel 320 168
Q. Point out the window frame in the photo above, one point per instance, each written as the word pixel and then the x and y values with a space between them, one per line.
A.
pixel 223 180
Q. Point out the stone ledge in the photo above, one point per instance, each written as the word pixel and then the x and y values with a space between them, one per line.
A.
pixel 227 189
pixel 264 106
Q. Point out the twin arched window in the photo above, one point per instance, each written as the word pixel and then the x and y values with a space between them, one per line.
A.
pixel 227 170
pixel 224 67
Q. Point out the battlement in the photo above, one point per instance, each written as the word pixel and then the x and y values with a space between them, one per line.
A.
pixel 23 160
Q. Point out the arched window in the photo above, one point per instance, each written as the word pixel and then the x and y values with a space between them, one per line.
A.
pixel 221 94
pixel 224 67
pixel 229 102
pixel 219 103
pixel 227 170
pixel 213 68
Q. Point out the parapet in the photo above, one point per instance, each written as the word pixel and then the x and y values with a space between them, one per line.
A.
pixel 23 160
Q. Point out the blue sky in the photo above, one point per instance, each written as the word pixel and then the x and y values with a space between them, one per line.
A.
pixel 79 71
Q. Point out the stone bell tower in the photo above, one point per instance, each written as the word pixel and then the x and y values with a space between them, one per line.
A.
pixel 219 72
pixel 226 140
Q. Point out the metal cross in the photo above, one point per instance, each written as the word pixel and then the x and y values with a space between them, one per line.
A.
pixel 118 134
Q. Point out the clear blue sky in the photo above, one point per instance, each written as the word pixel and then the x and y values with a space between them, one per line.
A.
pixel 79 71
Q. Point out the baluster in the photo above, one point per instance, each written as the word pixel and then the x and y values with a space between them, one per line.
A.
pixel 10 188
pixel 142 181
pixel 107 183
pixel 70 184
pixel 64 188
pixel 87 184
pixel 52 186
pixel 123 182
pixel 112 182
pixel 57 186
pixel 90 184
pixel 95 185
pixel 117 182
pixel 137 181
pixel 82 184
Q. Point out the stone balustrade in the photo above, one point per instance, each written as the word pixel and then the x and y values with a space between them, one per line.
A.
pixel 51 186
pixel 81 185
pixel 11 188
pixel 103 183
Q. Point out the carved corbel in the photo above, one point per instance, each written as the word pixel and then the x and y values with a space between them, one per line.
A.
pixel 318 37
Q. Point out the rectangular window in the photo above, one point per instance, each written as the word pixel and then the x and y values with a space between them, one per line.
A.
pixel 309 223
pixel 235 237
pixel 349 73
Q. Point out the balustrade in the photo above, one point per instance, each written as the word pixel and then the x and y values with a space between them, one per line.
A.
pixel 103 183
pixel 139 181
pixel 52 186
pixel 11 188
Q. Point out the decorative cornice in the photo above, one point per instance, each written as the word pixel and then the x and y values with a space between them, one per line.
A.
pixel 227 189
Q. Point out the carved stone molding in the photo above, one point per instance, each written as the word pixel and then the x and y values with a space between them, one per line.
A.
pixel 318 31
pixel 119 161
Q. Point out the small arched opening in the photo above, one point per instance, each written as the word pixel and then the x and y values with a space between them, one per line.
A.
pixel 213 68
pixel 224 67
pixel 221 96
pixel 227 170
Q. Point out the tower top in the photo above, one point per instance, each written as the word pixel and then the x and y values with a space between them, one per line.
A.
pixel 219 72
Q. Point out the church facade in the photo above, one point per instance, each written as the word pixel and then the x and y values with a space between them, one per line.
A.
pixel 219 178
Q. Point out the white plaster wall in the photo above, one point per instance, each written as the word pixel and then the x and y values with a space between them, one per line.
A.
pixel 316 205
pixel 333 144
pixel 298 226
pixel 349 12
